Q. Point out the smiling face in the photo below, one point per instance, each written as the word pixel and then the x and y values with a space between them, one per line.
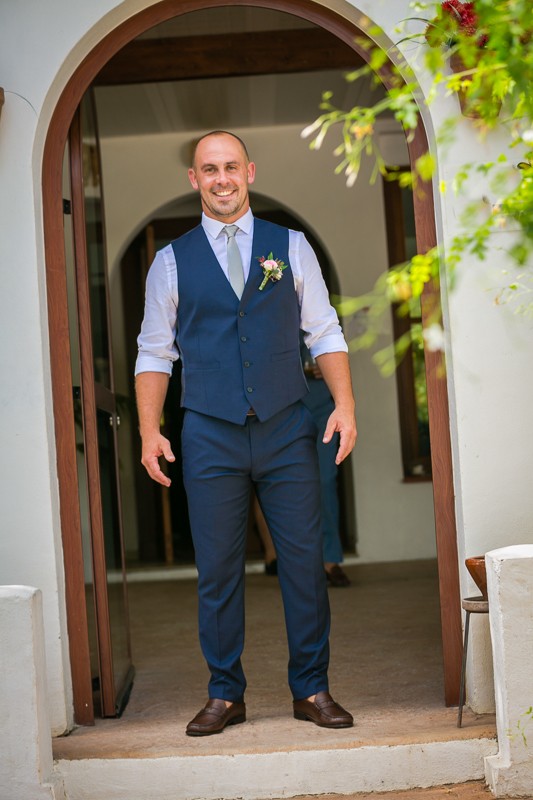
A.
pixel 222 173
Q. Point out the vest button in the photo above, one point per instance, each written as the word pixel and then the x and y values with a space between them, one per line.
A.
pixel 241 314
pixel 249 389
pixel 246 363
pixel 244 339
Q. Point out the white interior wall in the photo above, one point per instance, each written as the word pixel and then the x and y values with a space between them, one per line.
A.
pixel 142 174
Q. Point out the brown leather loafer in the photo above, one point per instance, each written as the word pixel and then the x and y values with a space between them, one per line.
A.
pixel 337 577
pixel 214 717
pixel 323 711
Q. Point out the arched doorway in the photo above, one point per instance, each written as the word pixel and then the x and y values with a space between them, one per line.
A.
pixel 60 357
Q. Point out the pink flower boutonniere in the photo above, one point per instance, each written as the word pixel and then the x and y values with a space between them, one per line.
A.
pixel 272 269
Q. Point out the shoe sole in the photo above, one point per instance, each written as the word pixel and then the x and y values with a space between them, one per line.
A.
pixel 307 718
pixel 233 721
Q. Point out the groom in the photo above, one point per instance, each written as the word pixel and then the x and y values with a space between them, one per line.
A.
pixel 212 301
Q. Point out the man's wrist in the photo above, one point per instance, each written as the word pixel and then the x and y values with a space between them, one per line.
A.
pixel 346 406
pixel 149 431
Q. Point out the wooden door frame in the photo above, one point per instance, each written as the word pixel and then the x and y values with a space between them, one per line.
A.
pixel 61 376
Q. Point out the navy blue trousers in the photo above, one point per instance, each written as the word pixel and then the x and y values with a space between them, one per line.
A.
pixel 221 461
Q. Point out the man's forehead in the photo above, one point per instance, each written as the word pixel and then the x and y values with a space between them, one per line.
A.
pixel 217 149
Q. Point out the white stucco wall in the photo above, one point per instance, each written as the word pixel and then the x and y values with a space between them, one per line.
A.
pixel 510 592
pixel 35 62
pixel 489 373
pixel 26 761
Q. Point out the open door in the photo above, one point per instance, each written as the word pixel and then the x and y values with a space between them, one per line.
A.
pixel 98 419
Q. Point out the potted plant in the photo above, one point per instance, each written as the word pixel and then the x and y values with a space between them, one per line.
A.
pixel 455 21
pixel 455 27
pixel 477 568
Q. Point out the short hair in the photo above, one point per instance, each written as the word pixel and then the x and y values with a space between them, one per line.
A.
pixel 218 133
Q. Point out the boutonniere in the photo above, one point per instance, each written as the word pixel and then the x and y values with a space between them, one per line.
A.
pixel 272 269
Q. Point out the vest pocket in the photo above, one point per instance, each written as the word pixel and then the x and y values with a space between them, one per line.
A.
pixel 201 366
pixel 286 354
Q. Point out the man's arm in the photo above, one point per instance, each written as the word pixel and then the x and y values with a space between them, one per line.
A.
pixel 335 370
pixel 151 389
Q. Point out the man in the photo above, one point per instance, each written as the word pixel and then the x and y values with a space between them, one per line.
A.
pixel 210 300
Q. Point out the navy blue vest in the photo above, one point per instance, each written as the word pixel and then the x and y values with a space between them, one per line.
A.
pixel 237 354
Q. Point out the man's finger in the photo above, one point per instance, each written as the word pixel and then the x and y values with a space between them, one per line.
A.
pixel 331 427
pixel 344 448
pixel 157 474
pixel 346 444
pixel 151 464
pixel 167 451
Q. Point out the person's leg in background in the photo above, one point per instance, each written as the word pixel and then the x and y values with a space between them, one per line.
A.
pixel 320 404
pixel 269 551
pixel 329 500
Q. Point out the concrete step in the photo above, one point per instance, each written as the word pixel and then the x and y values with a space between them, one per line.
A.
pixel 473 790
pixel 261 775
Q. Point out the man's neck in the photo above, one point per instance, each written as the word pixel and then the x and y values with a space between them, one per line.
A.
pixel 215 225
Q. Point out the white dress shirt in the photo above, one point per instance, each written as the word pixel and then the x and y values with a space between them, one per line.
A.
pixel 318 319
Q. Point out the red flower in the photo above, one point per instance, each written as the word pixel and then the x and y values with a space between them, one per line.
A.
pixel 464 14
pixel 454 18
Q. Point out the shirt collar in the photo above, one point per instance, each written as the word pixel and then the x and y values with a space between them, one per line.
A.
pixel 214 226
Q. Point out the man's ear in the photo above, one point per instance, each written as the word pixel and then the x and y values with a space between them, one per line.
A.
pixel 251 172
pixel 192 177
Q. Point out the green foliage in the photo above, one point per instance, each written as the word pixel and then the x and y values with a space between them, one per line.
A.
pixel 493 64
pixel 523 721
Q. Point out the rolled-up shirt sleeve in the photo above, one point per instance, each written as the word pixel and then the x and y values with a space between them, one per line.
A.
pixel 318 318
pixel 157 340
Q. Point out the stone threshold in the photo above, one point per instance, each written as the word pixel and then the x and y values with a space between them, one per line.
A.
pixel 258 776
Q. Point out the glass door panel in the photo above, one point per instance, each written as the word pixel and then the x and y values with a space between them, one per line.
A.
pixel 99 417
pixel 95 242
pixel 118 612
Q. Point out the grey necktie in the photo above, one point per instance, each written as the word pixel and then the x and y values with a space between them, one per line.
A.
pixel 235 270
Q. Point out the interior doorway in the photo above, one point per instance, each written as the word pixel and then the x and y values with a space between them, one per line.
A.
pixel 340 43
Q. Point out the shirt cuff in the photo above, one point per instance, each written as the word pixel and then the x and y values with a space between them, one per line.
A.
pixel 334 343
pixel 150 363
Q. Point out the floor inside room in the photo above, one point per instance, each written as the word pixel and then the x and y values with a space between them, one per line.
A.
pixel 386 668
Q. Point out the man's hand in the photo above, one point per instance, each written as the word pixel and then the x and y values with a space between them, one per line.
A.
pixel 343 422
pixel 153 448
pixel 336 372
pixel 151 390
